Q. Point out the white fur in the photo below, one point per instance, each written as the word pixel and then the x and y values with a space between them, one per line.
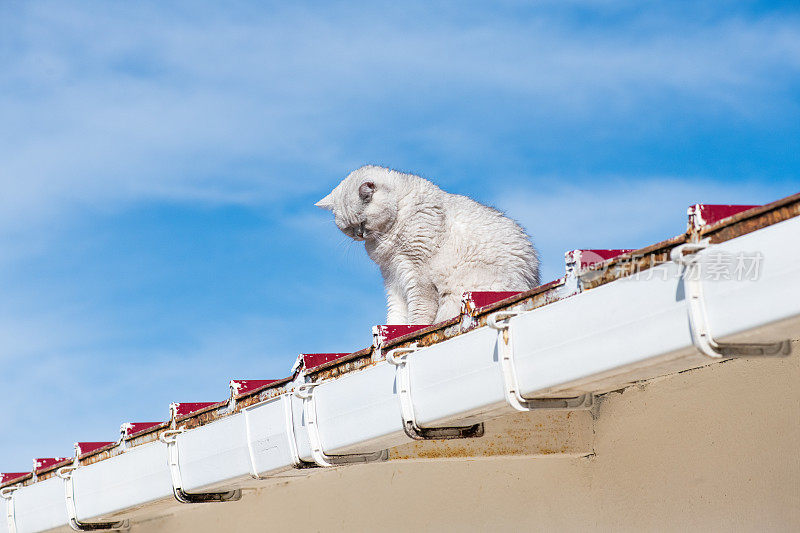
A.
pixel 430 245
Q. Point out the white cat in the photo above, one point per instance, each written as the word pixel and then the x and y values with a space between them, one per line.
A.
pixel 430 245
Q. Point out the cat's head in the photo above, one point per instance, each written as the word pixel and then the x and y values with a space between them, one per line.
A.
pixel 364 204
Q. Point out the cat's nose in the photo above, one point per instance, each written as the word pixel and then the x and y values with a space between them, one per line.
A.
pixel 359 230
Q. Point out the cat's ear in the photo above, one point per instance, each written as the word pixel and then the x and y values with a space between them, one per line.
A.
pixel 366 190
pixel 326 203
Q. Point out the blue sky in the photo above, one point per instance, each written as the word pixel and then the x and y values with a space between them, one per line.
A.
pixel 159 166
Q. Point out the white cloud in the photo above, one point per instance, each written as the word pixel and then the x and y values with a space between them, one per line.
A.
pixel 111 105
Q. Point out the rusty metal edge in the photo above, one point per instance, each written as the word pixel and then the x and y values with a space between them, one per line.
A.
pixel 259 390
pixel 521 296
pixel 629 263
pixel 16 480
pixel 154 429
pixel 753 219
pixel 342 360
pixel 403 339
pixel 98 450
pixel 49 472
pixel 202 411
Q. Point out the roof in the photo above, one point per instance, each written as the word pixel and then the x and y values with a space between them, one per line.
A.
pixel 585 272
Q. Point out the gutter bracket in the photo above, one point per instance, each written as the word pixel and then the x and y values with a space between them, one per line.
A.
pixel 65 473
pixel 285 400
pixel 7 493
pixel 499 321
pixel 305 391
pixel 399 359
pixel 686 255
pixel 169 437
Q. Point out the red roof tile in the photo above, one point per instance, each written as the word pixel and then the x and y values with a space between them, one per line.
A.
pixel 130 429
pixel 89 447
pixel 586 258
pixel 313 360
pixel 384 333
pixel 240 387
pixel 180 409
pixel 706 214
pixel 474 300
pixel 43 463
pixel 10 476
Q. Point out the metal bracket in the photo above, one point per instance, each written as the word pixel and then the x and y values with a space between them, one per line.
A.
pixel 250 452
pixel 306 392
pixel 286 401
pixel 399 358
pixel 499 321
pixel 7 493
pixel 65 473
pixel 686 255
pixel 169 438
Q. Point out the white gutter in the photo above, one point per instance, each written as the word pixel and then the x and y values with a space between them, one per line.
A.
pixel 595 341
pixel 39 507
